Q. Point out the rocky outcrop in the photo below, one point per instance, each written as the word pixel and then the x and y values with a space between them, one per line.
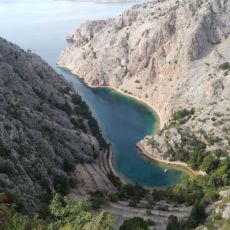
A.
pixel 223 206
pixel 91 179
pixel 95 176
pixel 45 128
pixel 219 215
pixel 164 52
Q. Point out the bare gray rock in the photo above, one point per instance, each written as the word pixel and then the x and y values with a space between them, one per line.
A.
pixel 158 51
pixel 45 127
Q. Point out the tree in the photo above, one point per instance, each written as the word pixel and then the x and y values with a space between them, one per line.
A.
pixel 136 223
pixel 208 163
pixel 70 211
pixel 197 215
pixel 173 223
pixel 76 214
pixel 183 115
pixel 133 192
pixel 62 184
pixel 12 220
pixel 100 222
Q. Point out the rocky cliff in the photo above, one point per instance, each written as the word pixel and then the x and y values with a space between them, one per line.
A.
pixel 45 128
pixel 164 52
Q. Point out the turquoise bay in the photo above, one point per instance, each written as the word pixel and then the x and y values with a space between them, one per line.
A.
pixel 123 120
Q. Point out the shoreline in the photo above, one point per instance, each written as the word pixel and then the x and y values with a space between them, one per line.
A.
pixel 112 169
pixel 182 166
pixel 159 123
pixel 156 113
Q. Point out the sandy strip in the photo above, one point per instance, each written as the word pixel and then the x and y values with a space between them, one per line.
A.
pixel 174 164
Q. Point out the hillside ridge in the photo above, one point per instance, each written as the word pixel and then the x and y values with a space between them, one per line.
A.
pixel 45 129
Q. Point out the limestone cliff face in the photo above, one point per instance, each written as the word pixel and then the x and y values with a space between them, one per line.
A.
pixel 165 52
pixel 45 127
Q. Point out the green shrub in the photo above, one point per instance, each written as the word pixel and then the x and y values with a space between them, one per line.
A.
pixel 226 73
pixel 211 139
pixel 115 180
pixel 163 208
pixel 97 199
pixel 136 223
pixel 68 166
pixel 14 111
pixel 208 163
pixel 182 116
pixel 76 99
pixel 133 192
pixel 224 66
pixel 67 108
pixel 210 196
pixel 62 213
pixel 4 151
pixel 62 185
pixel 197 215
pixel 173 223
pixel 97 132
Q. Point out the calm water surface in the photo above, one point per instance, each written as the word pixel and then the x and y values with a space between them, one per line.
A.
pixel 42 26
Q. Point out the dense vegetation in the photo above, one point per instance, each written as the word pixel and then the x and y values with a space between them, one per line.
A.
pixel 196 217
pixel 181 116
pixel 225 66
pixel 196 191
pixel 196 152
pixel 133 193
pixel 83 110
pixel 63 213
pixel 136 223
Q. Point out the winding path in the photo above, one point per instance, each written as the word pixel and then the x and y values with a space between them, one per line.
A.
pixel 122 211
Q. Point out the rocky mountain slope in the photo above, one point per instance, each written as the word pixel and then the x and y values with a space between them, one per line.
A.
pixel 159 51
pixel 45 128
